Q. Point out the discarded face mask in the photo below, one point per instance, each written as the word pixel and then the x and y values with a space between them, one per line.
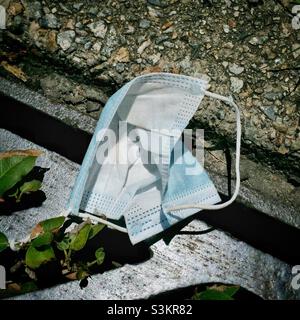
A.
pixel 152 184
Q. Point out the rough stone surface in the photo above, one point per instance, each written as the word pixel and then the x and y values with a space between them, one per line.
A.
pixel 243 50
pixel 236 84
pixel 235 69
pixel 98 28
pixel 187 260
pixel 50 21
pixel 65 39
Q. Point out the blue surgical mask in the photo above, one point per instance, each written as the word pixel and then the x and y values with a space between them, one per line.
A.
pixel 149 183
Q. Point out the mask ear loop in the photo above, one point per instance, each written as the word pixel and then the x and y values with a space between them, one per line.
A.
pixel 229 101
pixel 103 221
pixel 95 219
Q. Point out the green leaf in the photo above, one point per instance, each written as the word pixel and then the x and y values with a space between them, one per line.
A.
pixel 64 244
pixel 42 240
pixel 217 293
pixel 35 258
pixel 3 242
pixel 52 224
pixel 30 186
pixel 95 229
pixel 100 255
pixel 80 239
pixel 210 294
pixel 81 274
pixel 14 165
pixel 231 290
pixel 28 287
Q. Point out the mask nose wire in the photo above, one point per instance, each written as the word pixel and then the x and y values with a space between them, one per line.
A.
pixel 229 101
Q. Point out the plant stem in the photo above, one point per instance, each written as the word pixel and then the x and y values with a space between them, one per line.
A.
pixel 89 264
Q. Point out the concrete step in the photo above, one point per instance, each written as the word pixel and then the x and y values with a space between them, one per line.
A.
pixel 187 260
